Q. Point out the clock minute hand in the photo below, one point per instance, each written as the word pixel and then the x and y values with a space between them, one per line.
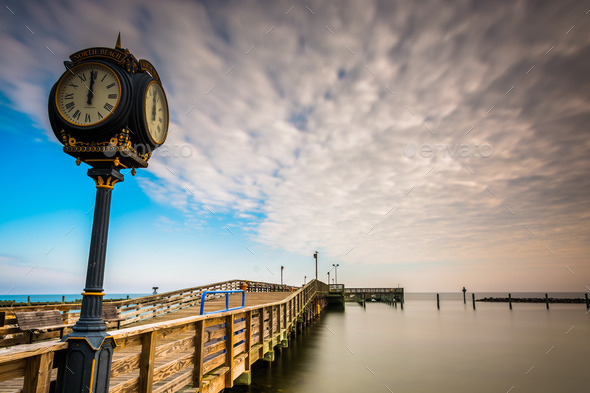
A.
pixel 154 108
pixel 90 93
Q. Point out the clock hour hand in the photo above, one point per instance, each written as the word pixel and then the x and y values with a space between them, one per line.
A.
pixel 90 93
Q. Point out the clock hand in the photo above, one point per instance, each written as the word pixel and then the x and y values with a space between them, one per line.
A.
pixel 90 93
pixel 154 108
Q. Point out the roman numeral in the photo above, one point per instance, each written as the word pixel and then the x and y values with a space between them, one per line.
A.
pixel 87 118
pixel 160 119
pixel 69 96
pixel 76 115
pixel 73 85
pixel 160 109
pixel 94 74
pixel 70 106
pixel 111 85
pixel 82 77
pixel 158 128
pixel 108 107
pixel 99 115
pixel 105 75
pixel 112 96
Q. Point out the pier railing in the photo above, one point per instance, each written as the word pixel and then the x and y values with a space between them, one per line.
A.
pixel 209 351
pixel 130 310
pixel 372 290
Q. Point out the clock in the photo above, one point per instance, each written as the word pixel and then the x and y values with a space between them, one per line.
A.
pixel 108 108
pixel 90 99
pixel 150 119
pixel 88 94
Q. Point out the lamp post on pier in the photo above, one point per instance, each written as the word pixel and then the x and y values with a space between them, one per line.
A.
pixel 336 271
pixel 315 255
pixel 282 268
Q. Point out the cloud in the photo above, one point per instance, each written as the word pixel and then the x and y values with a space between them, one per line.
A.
pixel 300 120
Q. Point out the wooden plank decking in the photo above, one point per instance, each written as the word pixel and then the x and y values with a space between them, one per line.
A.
pixel 235 300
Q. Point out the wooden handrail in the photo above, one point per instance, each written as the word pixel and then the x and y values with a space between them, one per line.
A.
pixel 250 334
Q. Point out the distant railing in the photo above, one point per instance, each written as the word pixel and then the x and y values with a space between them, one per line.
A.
pixel 207 351
pixel 204 296
pixel 373 290
pixel 132 310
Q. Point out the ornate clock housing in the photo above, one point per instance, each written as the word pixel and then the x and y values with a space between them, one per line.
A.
pixel 150 120
pixel 108 108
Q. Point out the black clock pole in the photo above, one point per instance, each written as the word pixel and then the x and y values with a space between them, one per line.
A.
pixel 86 364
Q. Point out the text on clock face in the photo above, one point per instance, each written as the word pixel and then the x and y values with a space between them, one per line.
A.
pixel 88 94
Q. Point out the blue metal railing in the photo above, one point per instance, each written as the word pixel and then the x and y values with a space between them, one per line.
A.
pixel 205 293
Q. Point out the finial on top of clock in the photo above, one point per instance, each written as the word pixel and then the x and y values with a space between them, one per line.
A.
pixel 118 44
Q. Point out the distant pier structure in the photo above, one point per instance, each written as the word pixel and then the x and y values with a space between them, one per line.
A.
pixel 362 295
pixel 336 296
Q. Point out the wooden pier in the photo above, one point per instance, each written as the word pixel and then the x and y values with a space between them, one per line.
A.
pixel 176 348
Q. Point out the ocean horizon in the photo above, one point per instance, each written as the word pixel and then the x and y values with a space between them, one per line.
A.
pixel 38 298
pixel 70 297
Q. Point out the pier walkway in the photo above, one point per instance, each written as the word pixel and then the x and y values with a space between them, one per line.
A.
pixel 176 348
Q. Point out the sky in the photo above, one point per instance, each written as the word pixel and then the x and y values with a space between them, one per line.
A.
pixel 430 145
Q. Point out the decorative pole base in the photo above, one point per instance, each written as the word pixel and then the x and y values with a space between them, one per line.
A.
pixel 85 368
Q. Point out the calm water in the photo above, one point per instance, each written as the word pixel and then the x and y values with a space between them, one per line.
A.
pixel 421 349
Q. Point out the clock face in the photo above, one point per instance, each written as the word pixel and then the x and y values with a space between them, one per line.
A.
pixel 88 94
pixel 156 112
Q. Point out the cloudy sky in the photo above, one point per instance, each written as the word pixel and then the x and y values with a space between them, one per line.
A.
pixel 431 145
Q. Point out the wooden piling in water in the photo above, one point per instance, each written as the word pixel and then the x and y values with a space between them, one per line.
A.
pixel 437 301
pixel 510 301
pixel 547 301
pixel 473 299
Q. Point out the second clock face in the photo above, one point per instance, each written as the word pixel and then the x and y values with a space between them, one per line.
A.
pixel 156 112
pixel 88 94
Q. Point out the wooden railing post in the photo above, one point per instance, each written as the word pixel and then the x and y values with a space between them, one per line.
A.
pixel 147 362
pixel 248 340
pixel 285 316
pixel 270 322
pixel 229 348
pixel 38 373
pixel 261 332
pixel 198 358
